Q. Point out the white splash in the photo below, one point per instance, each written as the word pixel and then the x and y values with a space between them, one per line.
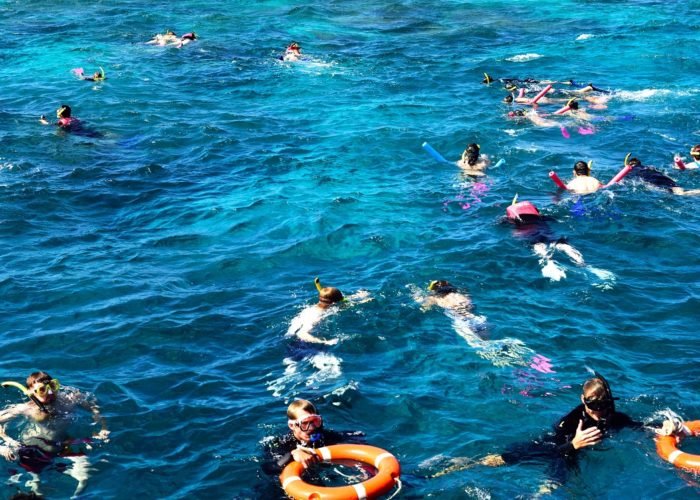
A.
pixel 584 36
pixel 642 95
pixel 530 56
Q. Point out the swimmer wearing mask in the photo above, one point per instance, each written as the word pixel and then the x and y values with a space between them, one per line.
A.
pixel 65 120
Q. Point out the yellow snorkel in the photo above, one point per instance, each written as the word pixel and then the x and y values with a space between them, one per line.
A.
pixel 627 158
pixel 102 73
pixel 317 282
pixel 515 199
pixel 26 392
pixel 432 284
pixel 590 162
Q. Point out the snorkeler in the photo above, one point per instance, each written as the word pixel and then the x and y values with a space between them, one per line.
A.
pixel 692 165
pixel 65 119
pixel 97 76
pixel 329 299
pixel 471 163
pixel 458 307
pixel 652 176
pixel 169 38
pixel 306 432
pixel 584 426
pixel 532 225
pixel 292 53
pixel 49 413
pixel 187 38
pixel 583 182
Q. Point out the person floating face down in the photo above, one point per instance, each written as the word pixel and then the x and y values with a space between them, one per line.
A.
pixel 651 175
pixel 583 182
pixel 306 432
pixel 531 225
pixel 586 425
pixel 329 298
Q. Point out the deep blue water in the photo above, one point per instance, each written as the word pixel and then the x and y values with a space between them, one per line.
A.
pixel 159 266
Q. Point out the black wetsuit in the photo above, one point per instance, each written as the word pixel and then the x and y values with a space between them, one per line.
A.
pixel 279 451
pixel 558 448
pixel 653 176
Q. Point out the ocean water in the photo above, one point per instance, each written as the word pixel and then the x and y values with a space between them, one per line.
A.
pixel 158 262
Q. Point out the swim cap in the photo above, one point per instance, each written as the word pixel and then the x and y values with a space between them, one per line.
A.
pixel 517 211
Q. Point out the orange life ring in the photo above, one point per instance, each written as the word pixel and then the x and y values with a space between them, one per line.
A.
pixel 388 472
pixel 667 448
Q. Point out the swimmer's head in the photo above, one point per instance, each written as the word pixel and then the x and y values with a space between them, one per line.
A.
pixel 516 113
pixel 695 152
pixel 598 398
pixel 634 162
pixel 329 295
pixel 511 87
pixel 170 32
pixel 441 287
pixel 487 79
pixel 508 99
pixel 64 111
pixel 582 168
pixel 189 36
pixel 573 105
pixel 42 387
pixel 472 154
pixel 294 46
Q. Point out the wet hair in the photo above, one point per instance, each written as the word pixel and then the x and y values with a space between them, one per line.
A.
pixel 441 287
pixel 695 150
pixel 517 112
pixel 487 78
pixel 38 377
pixel 472 154
pixel 573 105
pixel 299 405
pixel 508 99
pixel 329 295
pixel 582 168
pixel 64 111
pixel 634 162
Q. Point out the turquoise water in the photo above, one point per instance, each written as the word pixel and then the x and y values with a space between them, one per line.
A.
pixel 160 265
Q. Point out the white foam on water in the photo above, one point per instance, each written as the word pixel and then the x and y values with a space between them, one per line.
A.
pixel 530 56
pixel 584 36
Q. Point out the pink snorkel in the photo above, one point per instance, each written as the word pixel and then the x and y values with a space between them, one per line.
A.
pixel 679 162
pixel 565 109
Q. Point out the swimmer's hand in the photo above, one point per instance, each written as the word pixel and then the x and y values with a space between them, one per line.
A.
pixel 304 457
pixel 588 437
pixel 43 120
pixel 103 435
pixel 9 448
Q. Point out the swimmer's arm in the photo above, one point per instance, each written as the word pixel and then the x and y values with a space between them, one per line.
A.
pixel 427 303
pixel 7 415
pixel 43 120
pixel 306 336
pixel 359 297
pixel 97 417
pixel 302 330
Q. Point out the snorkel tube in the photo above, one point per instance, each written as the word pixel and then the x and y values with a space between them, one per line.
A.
pixel 317 282
pixel 102 73
pixel 679 162
pixel 625 170
pixel 26 392
pixel 566 108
